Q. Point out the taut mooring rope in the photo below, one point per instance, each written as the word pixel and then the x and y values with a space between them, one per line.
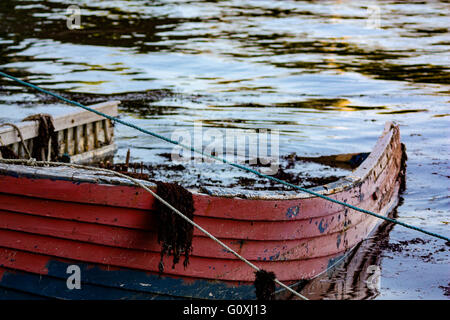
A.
pixel 224 160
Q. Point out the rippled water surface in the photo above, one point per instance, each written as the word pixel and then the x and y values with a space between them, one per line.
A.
pixel 326 74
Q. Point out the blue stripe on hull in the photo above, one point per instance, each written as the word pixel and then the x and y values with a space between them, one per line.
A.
pixel 10 294
pixel 99 283
pixel 51 287
pixel 147 282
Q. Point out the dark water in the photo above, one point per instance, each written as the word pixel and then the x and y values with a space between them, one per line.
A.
pixel 326 74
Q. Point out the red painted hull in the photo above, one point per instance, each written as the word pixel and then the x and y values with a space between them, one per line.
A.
pixel 45 217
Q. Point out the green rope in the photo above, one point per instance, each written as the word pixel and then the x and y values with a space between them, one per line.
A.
pixel 224 160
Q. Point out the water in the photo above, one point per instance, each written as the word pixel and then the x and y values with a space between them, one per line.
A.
pixel 326 74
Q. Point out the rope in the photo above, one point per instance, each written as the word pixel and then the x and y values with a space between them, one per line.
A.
pixel 137 182
pixel 224 160
pixel 20 135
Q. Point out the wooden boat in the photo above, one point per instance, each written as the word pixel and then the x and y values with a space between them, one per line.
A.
pixel 52 218
pixel 82 135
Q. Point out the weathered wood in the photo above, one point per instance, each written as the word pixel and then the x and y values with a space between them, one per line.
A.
pixel 105 125
pixel 94 154
pixel 29 129
pixel 77 140
pixel 78 134
pixel 50 214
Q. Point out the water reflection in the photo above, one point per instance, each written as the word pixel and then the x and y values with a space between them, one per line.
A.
pixel 326 74
pixel 356 276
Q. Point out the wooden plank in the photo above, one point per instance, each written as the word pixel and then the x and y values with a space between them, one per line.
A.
pixel 105 125
pixel 83 117
pixel 85 137
pixel 70 141
pixel 76 146
pixel 273 250
pixel 9 135
pixel 29 129
pixel 61 141
pixel 93 154
pixel 95 131
pixel 90 136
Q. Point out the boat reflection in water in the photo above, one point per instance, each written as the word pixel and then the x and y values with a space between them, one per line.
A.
pixel 356 276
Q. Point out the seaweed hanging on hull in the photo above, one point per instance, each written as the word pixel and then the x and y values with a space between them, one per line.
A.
pixel 264 285
pixel 174 233
pixel 46 132
pixel 402 173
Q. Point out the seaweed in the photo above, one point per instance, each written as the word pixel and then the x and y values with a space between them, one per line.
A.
pixel 46 131
pixel 402 172
pixel 264 285
pixel 174 233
